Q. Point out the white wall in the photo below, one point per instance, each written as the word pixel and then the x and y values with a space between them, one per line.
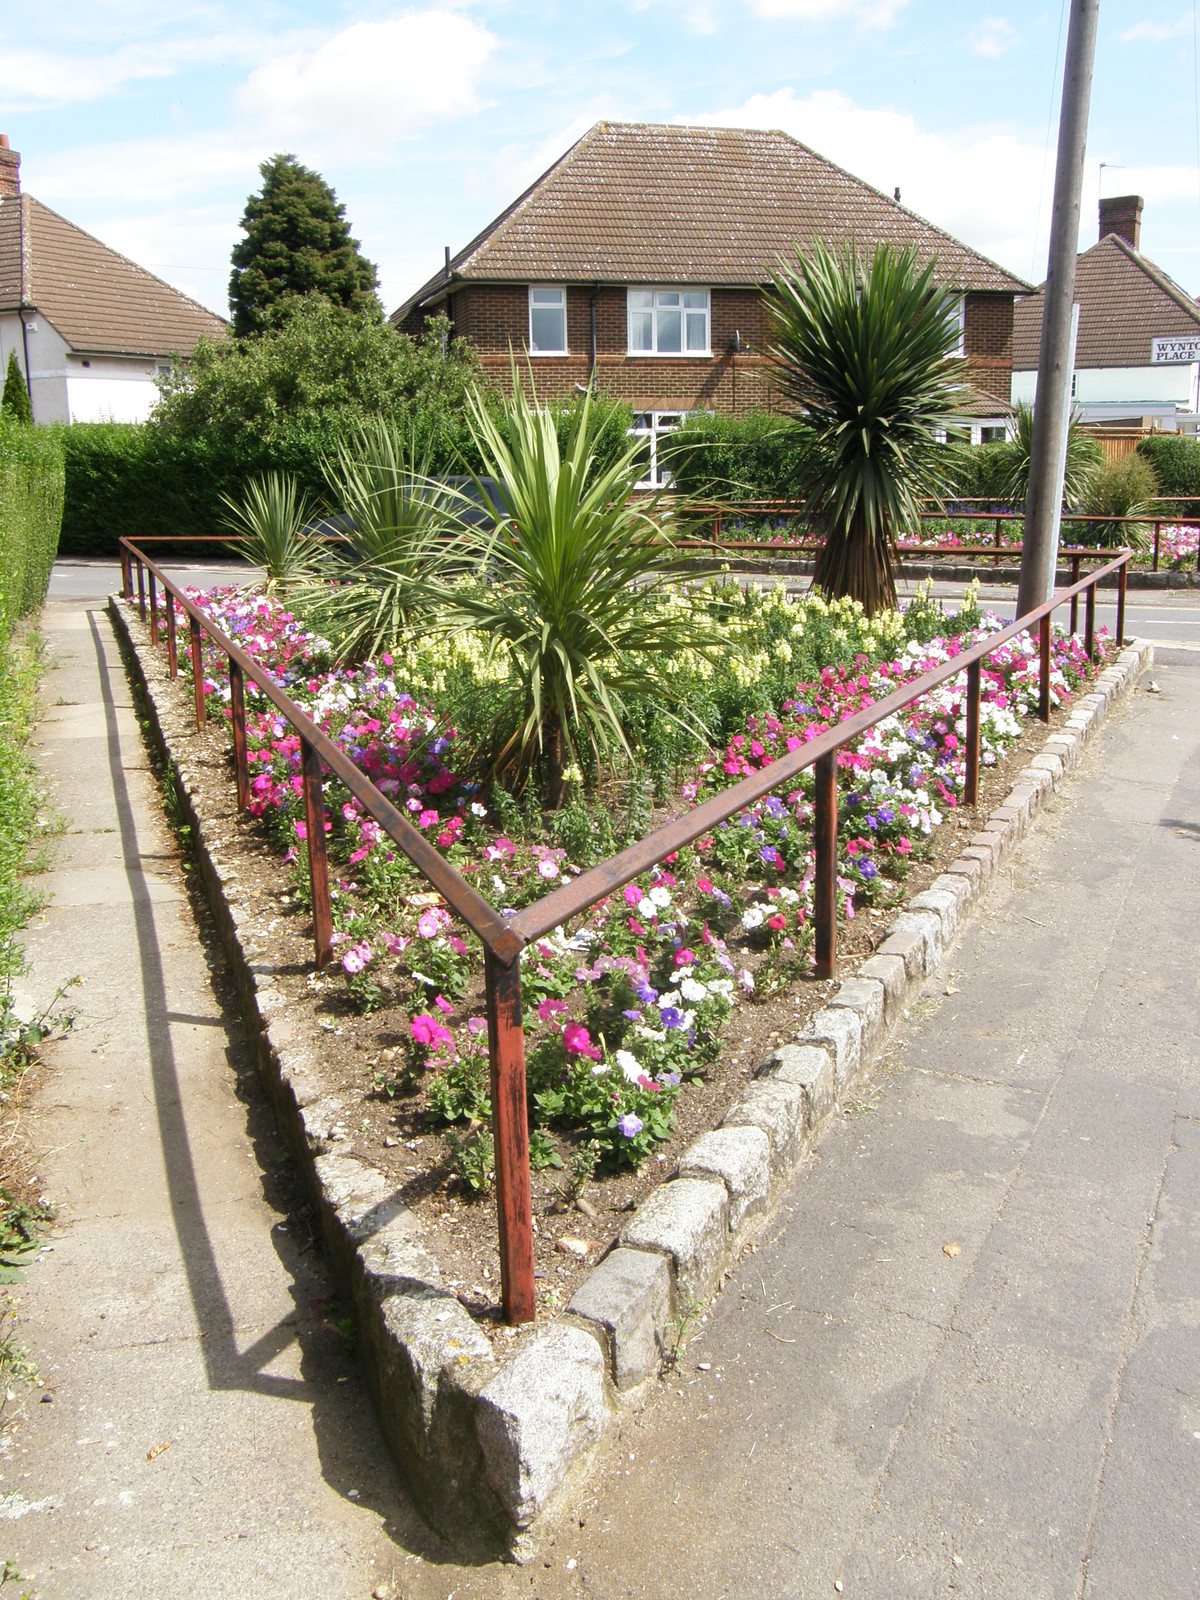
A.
pixel 1140 391
pixel 71 388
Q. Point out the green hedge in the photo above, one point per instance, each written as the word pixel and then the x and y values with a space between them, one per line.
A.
pixel 1176 462
pixel 756 455
pixel 31 508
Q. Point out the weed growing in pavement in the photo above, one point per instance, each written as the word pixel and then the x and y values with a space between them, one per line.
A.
pixel 678 1328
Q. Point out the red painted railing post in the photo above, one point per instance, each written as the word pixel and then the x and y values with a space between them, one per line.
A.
pixel 1157 536
pixel 141 575
pixel 126 575
pixel 825 825
pixel 996 557
pixel 1122 577
pixel 237 711
pixel 1074 597
pixel 172 640
pixel 1044 669
pixel 971 780
pixel 510 1133
pixel 153 609
pixel 318 859
pixel 197 671
pixel 1089 621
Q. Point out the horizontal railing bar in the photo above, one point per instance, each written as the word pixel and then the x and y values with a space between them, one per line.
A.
pixel 476 912
pixel 568 901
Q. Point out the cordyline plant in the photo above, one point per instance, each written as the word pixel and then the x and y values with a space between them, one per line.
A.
pixel 271 521
pixel 863 353
pixel 397 534
pixel 569 567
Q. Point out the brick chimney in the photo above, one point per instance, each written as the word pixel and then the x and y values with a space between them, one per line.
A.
pixel 1122 215
pixel 10 169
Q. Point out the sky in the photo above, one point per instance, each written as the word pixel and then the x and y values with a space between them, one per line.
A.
pixel 146 124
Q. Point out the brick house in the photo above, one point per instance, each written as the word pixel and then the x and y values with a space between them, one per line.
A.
pixel 639 259
pixel 91 329
pixel 1137 352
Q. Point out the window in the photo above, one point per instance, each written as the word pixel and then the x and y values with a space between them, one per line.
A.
pixel 994 433
pixel 547 322
pixel 649 428
pixel 958 322
pixel 668 322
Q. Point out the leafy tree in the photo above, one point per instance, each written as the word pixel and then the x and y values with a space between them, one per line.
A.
pixel 297 243
pixel 863 355
pixel 15 401
pixel 290 394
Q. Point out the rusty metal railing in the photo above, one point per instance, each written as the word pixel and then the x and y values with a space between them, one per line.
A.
pixel 504 938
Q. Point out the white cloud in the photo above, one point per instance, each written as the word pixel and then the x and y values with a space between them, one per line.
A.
pixel 373 82
pixel 993 37
pixel 867 13
pixel 33 78
pixel 1159 32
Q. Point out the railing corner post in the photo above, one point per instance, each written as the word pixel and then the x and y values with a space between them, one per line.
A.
pixel 510 1132
pixel 1122 580
pixel 1044 668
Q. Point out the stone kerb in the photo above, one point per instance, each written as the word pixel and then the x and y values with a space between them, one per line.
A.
pixel 488 1438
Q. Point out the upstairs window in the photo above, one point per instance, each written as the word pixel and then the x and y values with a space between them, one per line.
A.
pixel 668 322
pixel 548 322
pixel 958 325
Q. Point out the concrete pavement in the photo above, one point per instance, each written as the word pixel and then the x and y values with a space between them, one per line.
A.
pixel 205 1431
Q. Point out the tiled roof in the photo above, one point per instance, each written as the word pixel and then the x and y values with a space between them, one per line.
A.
pixel 98 300
pixel 653 203
pixel 1124 301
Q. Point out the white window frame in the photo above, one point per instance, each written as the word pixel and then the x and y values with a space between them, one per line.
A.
pixel 657 477
pixel 681 289
pixel 543 288
pixel 958 319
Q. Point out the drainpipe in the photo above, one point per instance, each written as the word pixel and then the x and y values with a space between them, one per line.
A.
pixel 592 320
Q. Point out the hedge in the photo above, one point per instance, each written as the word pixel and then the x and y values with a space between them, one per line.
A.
pixel 31 508
pixel 1176 461
pixel 137 479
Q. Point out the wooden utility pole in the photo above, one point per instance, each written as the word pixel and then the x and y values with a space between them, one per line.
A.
pixel 1051 414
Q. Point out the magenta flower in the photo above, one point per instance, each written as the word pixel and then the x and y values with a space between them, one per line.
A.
pixel 578 1041
pixel 633 894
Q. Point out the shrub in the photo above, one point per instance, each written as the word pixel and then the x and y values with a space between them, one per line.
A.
pixel 755 456
pixel 31 506
pixel 1121 488
pixel 1176 462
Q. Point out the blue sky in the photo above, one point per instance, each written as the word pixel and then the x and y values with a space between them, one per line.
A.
pixel 146 125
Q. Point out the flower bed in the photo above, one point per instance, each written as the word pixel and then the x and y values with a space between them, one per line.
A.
pixel 626 1013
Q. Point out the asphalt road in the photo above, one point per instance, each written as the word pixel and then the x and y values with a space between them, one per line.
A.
pixel 1167 617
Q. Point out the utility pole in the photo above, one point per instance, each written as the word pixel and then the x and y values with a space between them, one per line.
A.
pixel 1051 414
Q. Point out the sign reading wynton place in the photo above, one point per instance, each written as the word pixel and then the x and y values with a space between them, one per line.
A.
pixel 1187 349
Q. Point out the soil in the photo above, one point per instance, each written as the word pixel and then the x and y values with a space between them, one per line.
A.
pixel 392 1134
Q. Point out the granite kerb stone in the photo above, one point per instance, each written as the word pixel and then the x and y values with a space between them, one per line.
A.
pixel 496 1443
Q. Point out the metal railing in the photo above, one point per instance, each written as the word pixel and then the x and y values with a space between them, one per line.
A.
pixel 504 938
pixel 720 513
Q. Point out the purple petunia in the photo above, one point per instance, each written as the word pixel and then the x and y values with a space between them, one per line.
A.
pixel 628 1124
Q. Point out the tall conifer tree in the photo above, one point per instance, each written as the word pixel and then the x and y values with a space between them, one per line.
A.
pixel 15 401
pixel 297 243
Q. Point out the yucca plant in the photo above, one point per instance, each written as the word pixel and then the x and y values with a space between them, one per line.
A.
pixel 271 520
pixel 1084 460
pixel 398 532
pixel 1123 488
pixel 863 352
pixel 571 567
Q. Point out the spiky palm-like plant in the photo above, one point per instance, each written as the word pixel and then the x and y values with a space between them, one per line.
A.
pixel 271 520
pixel 863 351
pixel 398 531
pixel 570 566
pixel 1084 460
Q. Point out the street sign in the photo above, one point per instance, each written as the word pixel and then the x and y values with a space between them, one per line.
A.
pixel 1177 350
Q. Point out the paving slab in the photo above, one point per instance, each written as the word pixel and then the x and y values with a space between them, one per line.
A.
pixel 206 1432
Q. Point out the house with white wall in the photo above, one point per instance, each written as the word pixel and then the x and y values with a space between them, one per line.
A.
pixel 1137 355
pixel 91 329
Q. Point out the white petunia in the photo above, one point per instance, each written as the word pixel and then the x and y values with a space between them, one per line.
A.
pixel 693 990
pixel 647 909
pixel 752 918
pixel 661 897
pixel 629 1065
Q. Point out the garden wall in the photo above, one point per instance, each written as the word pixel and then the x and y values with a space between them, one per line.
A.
pixel 491 1437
